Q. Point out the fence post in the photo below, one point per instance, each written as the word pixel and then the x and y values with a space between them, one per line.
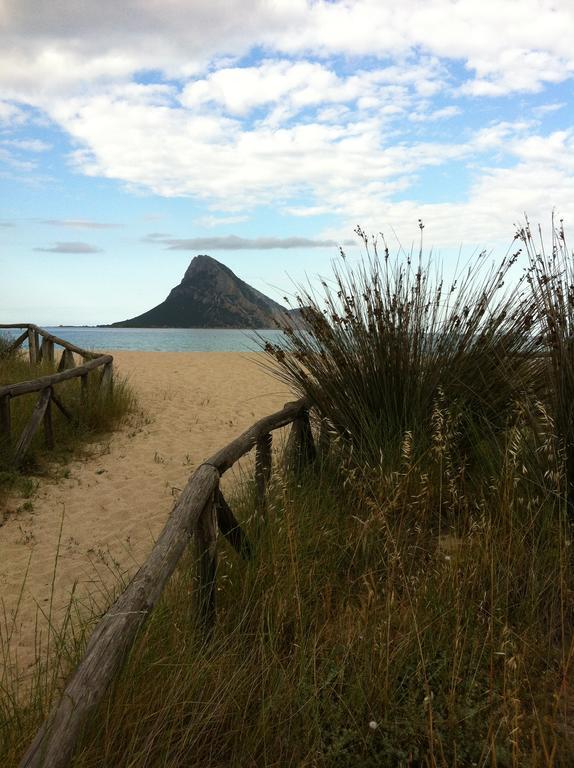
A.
pixel 31 427
pixel 47 350
pixel 38 347
pixel 48 426
pixel 230 528
pixel 206 542
pixel 107 380
pixel 300 449
pixel 67 360
pixel 33 346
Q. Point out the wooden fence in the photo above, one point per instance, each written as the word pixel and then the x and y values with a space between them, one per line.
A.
pixel 199 512
pixel 42 346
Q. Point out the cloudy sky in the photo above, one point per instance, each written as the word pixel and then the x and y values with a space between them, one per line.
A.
pixel 136 134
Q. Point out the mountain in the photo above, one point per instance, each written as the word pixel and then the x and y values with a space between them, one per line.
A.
pixel 212 296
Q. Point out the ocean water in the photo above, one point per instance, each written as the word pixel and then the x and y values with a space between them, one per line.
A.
pixel 163 339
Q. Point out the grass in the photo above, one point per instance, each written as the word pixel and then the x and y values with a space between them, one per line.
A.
pixel 456 648
pixel 410 598
pixel 92 419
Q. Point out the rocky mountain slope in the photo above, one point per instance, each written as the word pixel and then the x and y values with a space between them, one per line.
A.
pixel 212 296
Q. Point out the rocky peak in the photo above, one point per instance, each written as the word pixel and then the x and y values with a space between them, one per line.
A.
pixel 203 264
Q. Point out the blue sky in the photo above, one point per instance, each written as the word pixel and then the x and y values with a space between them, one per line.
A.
pixel 135 135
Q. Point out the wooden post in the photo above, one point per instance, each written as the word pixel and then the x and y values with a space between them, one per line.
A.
pixel 263 458
pixel 206 538
pixel 48 426
pixel 107 380
pixel 230 528
pixel 300 449
pixel 38 347
pixel 61 407
pixel 67 360
pixel 5 418
pixel 47 350
pixel 33 346
pixel 15 344
pixel 30 430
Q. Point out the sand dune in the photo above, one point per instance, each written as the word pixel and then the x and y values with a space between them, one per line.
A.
pixel 114 503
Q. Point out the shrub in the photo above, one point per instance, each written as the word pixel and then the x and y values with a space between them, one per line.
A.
pixel 391 338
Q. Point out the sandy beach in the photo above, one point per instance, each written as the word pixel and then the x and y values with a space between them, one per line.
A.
pixel 108 510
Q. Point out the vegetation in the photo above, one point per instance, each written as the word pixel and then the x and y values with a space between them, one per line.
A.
pixel 92 418
pixel 409 602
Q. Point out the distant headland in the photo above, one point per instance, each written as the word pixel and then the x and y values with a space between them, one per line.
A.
pixel 210 295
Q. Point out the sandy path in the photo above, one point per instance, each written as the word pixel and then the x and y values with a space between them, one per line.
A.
pixel 115 503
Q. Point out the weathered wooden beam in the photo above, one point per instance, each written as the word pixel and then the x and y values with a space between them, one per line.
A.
pixel 37 346
pixel 67 360
pixel 230 528
pixel 35 385
pixel 5 419
pixel 30 429
pixel 18 342
pixel 62 408
pixel 47 350
pixel 263 460
pixel 32 346
pixel 300 450
pixel 48 425
pixel 107 380
pixel 206 544
pixel 54 743
pixel 226 457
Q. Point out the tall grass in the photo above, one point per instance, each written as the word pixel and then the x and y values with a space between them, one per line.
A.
pixel 356 637
pixel 551 277
pixel 93 416
pixel 391 337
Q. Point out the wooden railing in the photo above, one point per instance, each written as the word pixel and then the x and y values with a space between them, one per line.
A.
pixel 42 346
pixel 199 512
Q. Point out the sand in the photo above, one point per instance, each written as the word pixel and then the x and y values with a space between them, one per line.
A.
pixel 114 503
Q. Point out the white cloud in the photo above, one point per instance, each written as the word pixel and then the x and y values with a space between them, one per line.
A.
pixel 444 113
pixel 68 45
pixel 327 115
pixel 546 109
pixel 235 243
pixel 79 224
pixel 70 247
pixel 27 145
pixel 11 114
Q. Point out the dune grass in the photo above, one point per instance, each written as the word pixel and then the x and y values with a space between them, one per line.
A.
pixel 93 418
pixel 358 635
pixel 409 602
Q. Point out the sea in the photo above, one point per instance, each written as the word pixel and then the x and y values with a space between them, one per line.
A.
pixel 164 339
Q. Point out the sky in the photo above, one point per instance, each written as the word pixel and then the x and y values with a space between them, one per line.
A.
pixel 135 135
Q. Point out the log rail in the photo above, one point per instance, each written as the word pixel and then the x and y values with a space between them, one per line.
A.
pixel 198 513
pixel 42 346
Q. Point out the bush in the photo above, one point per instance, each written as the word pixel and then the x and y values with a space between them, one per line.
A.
pixel 392 339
